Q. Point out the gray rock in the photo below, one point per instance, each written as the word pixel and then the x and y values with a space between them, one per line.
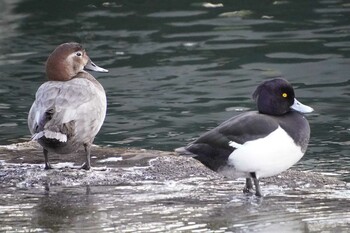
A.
pixel 22 166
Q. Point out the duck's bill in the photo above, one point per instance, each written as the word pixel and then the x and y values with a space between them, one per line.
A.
pixel 297 106
pixel 92 66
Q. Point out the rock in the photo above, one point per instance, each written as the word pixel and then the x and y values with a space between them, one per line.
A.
pixel 22 166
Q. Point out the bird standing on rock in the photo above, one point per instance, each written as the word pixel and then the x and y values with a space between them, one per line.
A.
pixel 257 144
pixel 70 108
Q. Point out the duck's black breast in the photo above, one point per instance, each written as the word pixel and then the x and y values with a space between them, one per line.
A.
pixel 212 148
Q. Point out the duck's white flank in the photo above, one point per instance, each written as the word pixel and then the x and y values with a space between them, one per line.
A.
pixel 266 156
pixel 234 144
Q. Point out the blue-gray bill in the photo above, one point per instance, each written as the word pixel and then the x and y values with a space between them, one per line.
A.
pixel 298 106
pixel 93 67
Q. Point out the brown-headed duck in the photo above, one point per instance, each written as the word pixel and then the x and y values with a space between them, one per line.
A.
pixel 70 108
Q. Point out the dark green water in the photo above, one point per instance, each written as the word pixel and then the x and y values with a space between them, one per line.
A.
pixel 178 68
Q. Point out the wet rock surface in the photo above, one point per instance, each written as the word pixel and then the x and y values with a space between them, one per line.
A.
pixel 22 165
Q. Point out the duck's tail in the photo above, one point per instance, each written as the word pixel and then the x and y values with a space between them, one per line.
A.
pixel 50 135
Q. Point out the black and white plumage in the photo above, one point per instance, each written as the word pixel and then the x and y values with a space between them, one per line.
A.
pixel 257 144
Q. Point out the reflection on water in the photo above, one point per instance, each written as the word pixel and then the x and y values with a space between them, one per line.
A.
pixel 177 69
pixel 189 205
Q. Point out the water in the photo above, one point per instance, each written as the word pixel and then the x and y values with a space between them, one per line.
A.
pixel 188 205
pixel 178 68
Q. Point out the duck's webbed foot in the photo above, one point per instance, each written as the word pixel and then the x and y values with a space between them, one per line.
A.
pixel 85 166
pixel 248 188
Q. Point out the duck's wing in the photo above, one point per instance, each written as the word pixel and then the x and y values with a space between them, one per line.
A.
pixel 214 147
pixel 72 107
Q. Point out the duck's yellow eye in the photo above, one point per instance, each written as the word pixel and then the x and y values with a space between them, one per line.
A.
pixel 284 95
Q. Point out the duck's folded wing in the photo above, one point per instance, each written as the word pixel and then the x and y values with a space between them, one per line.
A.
pixel 59 103
pixel 214 147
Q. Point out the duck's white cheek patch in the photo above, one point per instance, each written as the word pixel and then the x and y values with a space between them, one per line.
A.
pixel 266 156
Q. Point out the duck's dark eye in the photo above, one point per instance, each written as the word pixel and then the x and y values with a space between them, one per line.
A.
pixel 284 95
pixel 78 54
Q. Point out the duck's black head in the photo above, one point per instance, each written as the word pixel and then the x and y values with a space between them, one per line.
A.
pixel 276 97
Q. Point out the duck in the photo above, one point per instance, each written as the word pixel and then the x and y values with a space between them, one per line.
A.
pixel 257 144
pixel 70 108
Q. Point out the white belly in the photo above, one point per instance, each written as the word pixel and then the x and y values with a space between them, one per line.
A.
pixel 266 156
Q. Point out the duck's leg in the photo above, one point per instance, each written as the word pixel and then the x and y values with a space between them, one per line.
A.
pixel 46 156
pixel 257 188
pixel 87 164
pixel 248 188
pixel 256 184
